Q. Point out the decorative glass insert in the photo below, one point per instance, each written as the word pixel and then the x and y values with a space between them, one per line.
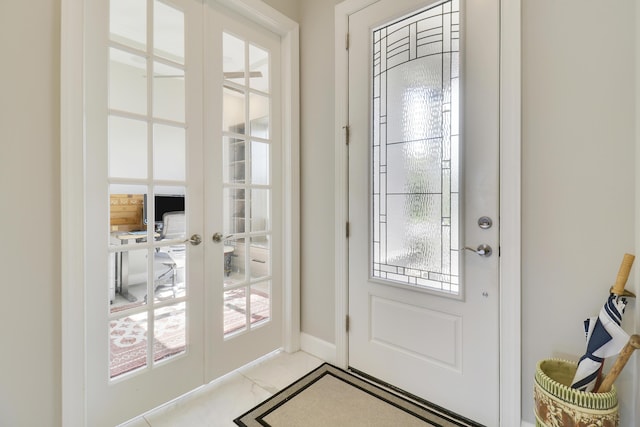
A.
pixel 414 149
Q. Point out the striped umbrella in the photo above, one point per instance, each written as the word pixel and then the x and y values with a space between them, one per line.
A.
pixel 605 336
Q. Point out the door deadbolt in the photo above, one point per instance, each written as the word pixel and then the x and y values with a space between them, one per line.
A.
pixel 485 222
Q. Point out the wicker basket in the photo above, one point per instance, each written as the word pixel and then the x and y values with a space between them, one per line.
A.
pixel 559 405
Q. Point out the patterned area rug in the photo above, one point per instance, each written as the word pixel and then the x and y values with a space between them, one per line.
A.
pixel 235 309
pixel 129 340
pixel 129 334
pixel 330 396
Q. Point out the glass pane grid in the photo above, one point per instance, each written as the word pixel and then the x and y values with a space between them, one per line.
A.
pixel 147 162
pixel 246 307
pixel 414 199
pixel 246 185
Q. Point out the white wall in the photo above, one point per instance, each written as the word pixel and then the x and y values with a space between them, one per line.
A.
pixel 30 193
pixel 317 168
pixel 291 8
pixel 578 174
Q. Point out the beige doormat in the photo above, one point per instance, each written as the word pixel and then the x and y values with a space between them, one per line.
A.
pixel 330 396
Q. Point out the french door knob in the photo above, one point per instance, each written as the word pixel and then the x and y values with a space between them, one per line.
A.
pixel 195 240
pixel 218 237
pixel 482 250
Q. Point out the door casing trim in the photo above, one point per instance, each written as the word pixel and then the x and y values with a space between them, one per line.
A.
pixel 510 199
pixel 72 167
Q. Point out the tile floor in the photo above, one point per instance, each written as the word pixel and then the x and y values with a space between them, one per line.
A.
pixel 218 403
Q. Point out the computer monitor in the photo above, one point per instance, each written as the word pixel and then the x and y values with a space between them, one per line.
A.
pixel 164 203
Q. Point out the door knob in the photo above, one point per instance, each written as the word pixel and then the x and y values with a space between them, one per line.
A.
pixel 482 250
pixel 218 237
pixel 195 240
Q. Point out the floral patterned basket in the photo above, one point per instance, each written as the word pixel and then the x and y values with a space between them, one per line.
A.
pixel 559 405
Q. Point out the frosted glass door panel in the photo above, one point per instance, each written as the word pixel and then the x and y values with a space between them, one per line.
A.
pixel 414 200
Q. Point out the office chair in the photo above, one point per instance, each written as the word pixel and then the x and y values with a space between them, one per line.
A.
pixel 173 226
pixel 168 260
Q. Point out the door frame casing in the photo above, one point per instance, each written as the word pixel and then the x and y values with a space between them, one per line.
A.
pixel 72 167
pixel 510 199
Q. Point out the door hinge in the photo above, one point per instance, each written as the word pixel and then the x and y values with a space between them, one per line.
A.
pixel 347 323
pixel 347 230
pixel 346 133
pixel 346 41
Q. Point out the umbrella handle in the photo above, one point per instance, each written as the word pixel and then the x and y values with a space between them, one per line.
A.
pixel 625 354
pixel 623 274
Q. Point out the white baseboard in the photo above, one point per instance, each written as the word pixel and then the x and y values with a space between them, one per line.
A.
pixel 526 424
pixel 319 348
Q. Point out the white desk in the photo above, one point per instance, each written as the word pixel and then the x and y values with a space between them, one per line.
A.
pixel 122 263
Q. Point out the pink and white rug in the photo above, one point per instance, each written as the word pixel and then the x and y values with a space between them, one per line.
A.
pixel 129 334
pixel 129 345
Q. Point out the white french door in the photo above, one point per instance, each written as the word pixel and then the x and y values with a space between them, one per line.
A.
pixel 183 202
pixel 243 191
pixel 423 188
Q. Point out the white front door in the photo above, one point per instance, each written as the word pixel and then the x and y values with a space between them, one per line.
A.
pixel 423 185
pixel 184 200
